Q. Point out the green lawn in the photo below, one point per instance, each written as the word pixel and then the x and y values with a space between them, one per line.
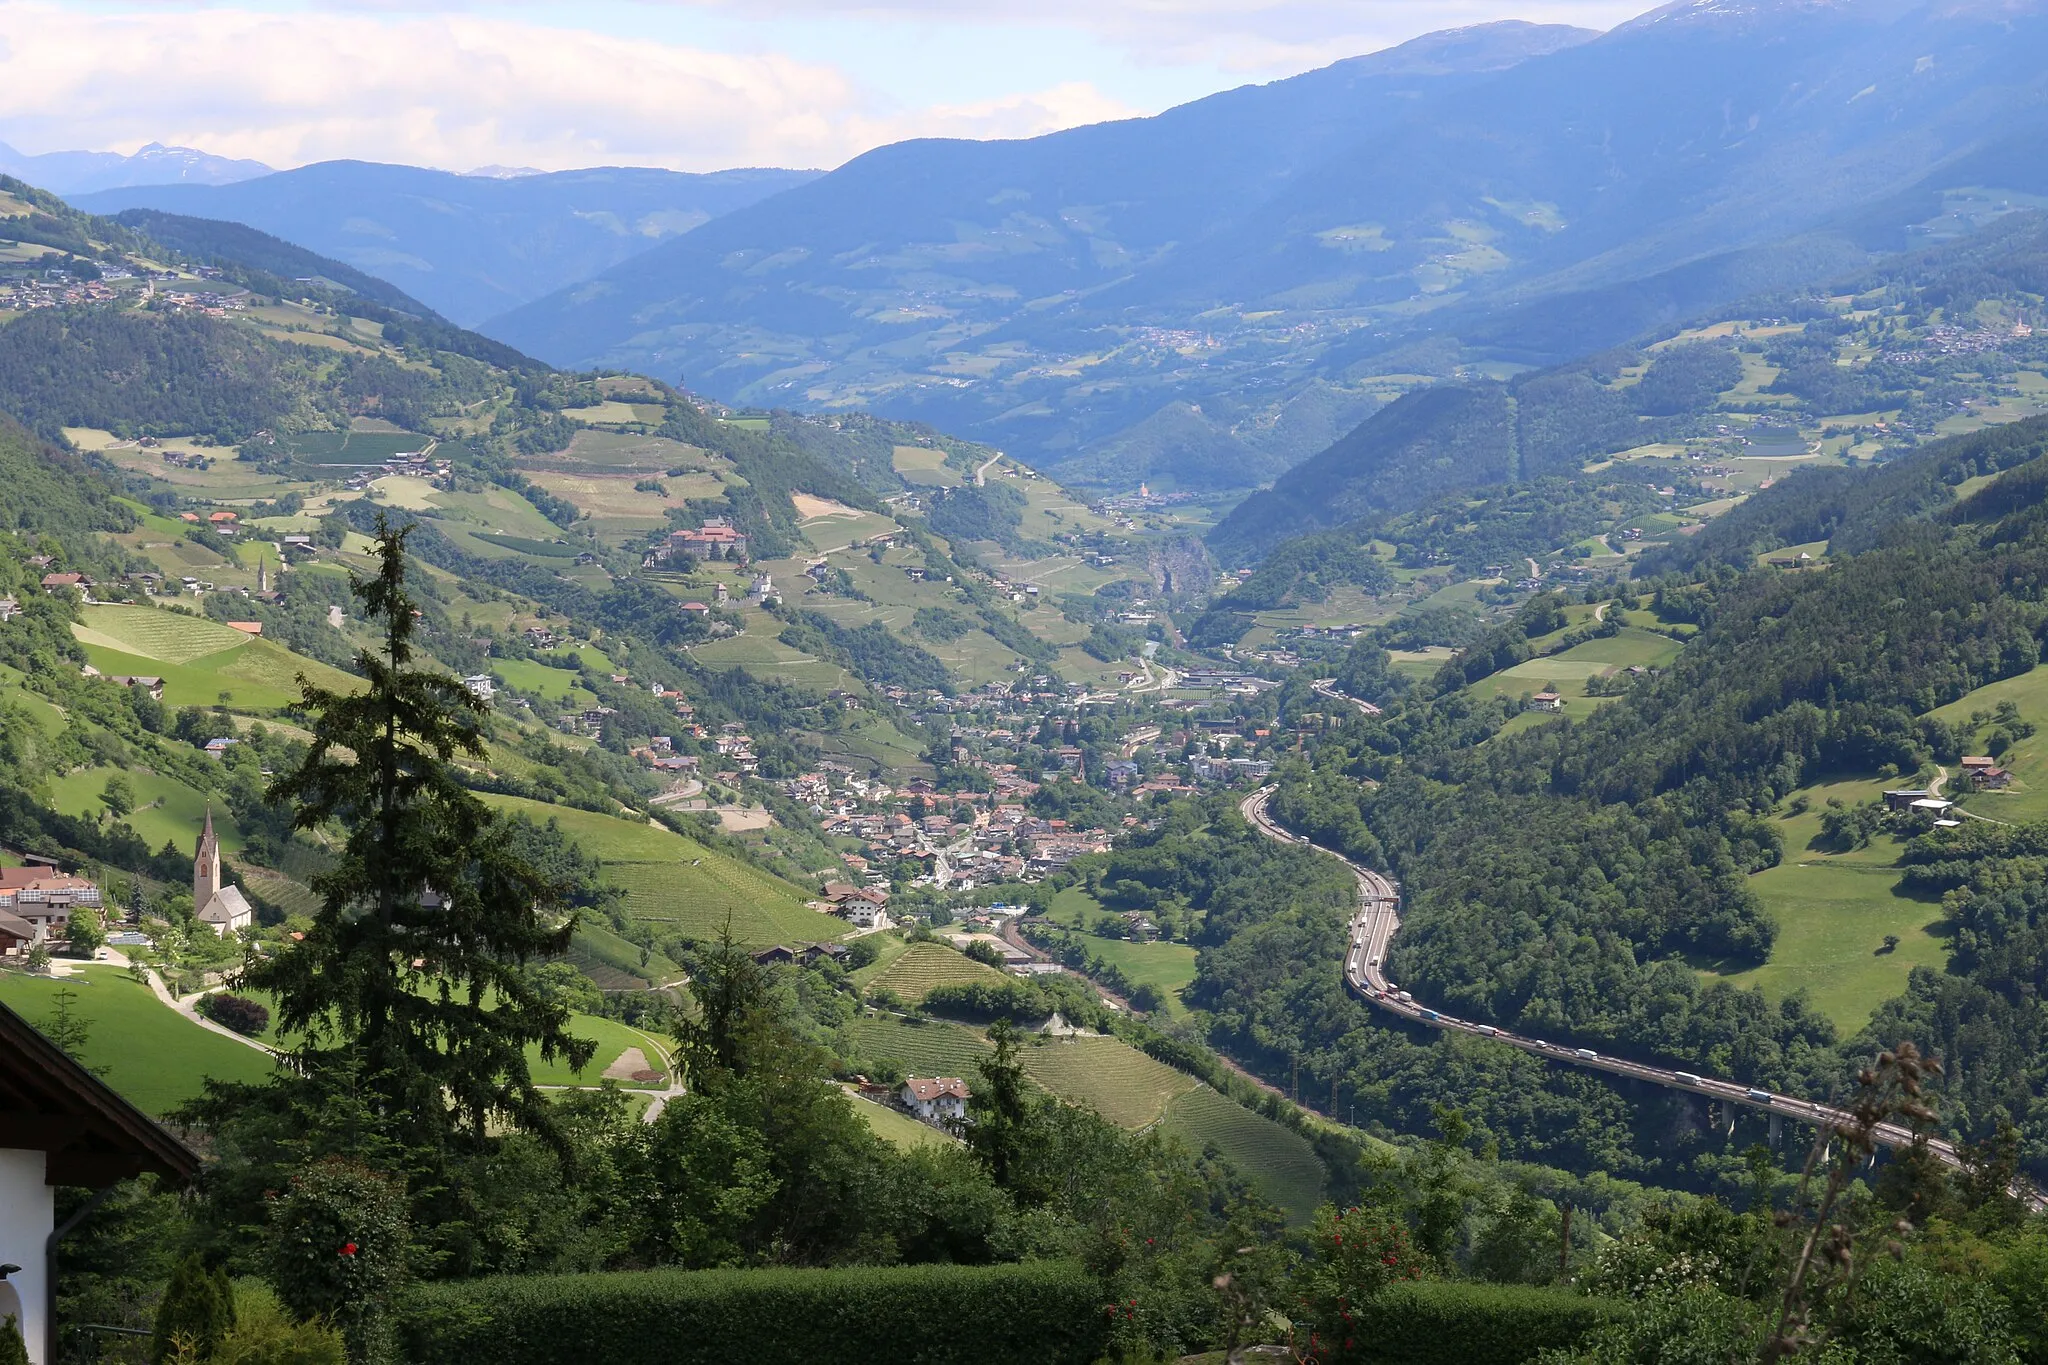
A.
pixel 1168 966
pixel 1275 1158
pixel 152 1055
pixel 613 1039
pixel 897 1128
pixel 1833 912
pixel 542 681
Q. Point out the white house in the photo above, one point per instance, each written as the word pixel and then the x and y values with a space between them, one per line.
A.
pixel 222 909
pixel 938 1100
pixel 63 1126
pixel 480 686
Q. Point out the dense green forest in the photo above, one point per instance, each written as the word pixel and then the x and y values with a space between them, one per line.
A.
pixel 1564 878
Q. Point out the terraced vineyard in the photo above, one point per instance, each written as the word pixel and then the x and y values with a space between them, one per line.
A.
pixel 155 633
pixel 927 1049
pixel 1275 1158
pixel 1109 1076
pixel 923 967
pixel 696 898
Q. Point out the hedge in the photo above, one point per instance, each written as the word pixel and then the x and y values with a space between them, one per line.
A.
pixel 1044 1313
pixel 1449 1323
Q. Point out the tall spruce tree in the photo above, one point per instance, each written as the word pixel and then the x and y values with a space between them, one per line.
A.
pixel 430 912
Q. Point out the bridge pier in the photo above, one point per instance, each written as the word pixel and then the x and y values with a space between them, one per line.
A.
pixel 1777 1130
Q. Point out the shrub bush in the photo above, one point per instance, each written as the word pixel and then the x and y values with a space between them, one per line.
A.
pixel 1451 1323
pixel 1043 1313
pixel 986 1001
pixel 237 1012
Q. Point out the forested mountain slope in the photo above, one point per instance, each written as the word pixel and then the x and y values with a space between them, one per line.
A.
pixel 1571 878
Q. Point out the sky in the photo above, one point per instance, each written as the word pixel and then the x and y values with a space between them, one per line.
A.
pixel 693 85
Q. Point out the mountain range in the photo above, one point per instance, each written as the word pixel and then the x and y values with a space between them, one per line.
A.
pixel 468 246
pixel 1336 236
pixel 155 164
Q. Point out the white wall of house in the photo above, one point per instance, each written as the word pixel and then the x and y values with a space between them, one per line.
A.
pixel 27 1213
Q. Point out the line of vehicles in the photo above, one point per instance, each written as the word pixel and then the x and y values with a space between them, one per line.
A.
pixel 1372 928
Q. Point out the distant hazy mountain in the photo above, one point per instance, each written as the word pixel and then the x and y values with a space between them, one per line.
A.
pixel 1111 288
pixel 70 173
pixel 468 246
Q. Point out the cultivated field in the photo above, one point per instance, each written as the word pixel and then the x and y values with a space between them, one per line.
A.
pixel 683 885
pixel 1108 1075
pixel 258 676
pixel 924 967
pixel 922 1049
pixel 170 637
pixel 1275 1158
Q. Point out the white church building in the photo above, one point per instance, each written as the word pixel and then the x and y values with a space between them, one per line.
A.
pixel 222 909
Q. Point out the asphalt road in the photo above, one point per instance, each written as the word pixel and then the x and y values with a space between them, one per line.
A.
pixel 1373 928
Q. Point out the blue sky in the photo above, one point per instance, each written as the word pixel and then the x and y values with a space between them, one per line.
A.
pixel 689 84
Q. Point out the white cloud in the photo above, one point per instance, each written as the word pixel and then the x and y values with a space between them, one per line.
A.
pixel 454 90
pixel 1266 37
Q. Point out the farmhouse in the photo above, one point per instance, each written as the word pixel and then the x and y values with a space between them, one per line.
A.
pixel 65 1126
pixel 1990 779
pixel 1546 701
pixel 938 1101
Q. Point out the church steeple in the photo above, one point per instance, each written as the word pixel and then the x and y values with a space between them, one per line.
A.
pixel 205 865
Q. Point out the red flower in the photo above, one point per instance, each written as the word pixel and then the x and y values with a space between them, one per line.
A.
pixel 348 1249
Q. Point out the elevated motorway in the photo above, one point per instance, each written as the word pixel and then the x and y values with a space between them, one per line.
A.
pixel 1379 916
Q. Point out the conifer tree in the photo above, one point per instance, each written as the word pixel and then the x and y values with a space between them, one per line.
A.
pixel 196 1312
pixel 429 913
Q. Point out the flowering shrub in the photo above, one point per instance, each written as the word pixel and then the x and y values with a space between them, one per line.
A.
pixel 337 1251
pixel 1357 1254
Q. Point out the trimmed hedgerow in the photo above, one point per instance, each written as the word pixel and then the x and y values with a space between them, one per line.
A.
pixel 1035 1314
pixel 1449 1323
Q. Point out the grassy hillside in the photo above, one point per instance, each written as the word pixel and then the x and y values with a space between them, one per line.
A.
pixel 680 885
pixel 152 1055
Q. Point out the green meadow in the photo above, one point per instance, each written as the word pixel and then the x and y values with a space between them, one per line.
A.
pixel 155 1057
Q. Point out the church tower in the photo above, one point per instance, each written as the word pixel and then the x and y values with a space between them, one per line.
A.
pixel 205 866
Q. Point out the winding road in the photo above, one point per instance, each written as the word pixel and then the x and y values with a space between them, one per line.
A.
pixel 1379 916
